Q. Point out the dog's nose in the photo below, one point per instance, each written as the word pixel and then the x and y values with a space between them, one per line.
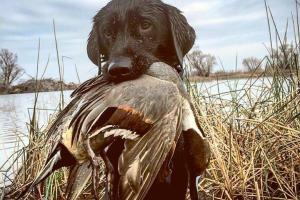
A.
pixel 120 66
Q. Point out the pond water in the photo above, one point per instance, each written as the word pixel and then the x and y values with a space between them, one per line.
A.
pixel 15 112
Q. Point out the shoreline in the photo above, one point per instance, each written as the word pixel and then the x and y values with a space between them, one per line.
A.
pixel 40 91
pixel 32 86
pixel 216 77
pixel 240 75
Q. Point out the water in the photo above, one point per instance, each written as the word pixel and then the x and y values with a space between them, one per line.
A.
pixel 15 112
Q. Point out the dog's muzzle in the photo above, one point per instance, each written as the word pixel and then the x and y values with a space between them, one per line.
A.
pixel 121 66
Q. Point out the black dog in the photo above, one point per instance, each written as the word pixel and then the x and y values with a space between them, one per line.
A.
pixel 129 35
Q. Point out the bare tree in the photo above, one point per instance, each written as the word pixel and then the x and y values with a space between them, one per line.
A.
pixel 10 71
pixel 285 57
pixel 252 64
pixel 201 62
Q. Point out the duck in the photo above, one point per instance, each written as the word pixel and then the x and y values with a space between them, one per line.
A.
pixel 150 115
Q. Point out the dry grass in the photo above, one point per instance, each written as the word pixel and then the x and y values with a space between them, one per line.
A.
pixel 256 149
pixel 255 139
pixel 32 159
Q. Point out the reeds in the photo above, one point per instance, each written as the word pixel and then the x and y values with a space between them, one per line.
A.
pixel 255 138
pixel 256 149
pixel 23 166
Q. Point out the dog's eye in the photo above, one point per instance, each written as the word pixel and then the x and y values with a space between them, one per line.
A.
pixel 145 25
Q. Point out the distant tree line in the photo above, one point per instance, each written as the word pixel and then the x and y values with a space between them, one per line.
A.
pixel 10 73
pixel 284 58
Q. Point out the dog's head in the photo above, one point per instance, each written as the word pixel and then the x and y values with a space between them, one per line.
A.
pixel 129 35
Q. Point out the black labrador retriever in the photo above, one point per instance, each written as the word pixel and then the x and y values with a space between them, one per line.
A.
pixel 127 37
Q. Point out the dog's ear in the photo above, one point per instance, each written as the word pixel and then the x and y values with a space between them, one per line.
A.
pixel 182 33
pixel 93 50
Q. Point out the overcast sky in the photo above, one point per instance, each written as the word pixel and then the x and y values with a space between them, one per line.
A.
pixel 225 28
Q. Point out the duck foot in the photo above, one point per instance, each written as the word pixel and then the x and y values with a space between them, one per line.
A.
pixel 96 162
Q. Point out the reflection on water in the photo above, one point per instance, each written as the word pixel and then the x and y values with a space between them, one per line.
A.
pixel 15 111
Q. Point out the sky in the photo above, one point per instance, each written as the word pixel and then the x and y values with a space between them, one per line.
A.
pixel 227 29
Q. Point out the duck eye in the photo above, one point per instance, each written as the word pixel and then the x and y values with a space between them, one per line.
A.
pixel 145 25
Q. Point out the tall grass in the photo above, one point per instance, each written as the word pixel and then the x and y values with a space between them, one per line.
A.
pixel 25 163
pixel 255 138
pixel 253 130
